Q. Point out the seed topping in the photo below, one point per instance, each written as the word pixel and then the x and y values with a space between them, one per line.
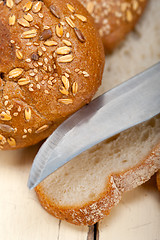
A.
pixel 35 56
pixel 70 7
pixel 6 128
pixel 23 22
pixel 29 34
pixel 27 113
pixel 23 81
pixel 27 6
pixel 64 59
pixel 15 72
pixel 41 129
pixel 65 101
pixel 70 22
pixel 79 35
pixel 5 116
pixel 54 11
pixel 46 34
pixel 37 7
pixel 90 7
pixel 65 82
pixel 28 17
pixel 74 88
pixel 59 30
pixel 11 141
pixel 19 55
pixel 50 43
pixel 12 20
pixel 81 17
pixel 9 3
pixel 67 43
pixel 63 50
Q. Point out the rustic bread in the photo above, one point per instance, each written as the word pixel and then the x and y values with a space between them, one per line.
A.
pixel 84 190
pixel 51 64
pixel 114 18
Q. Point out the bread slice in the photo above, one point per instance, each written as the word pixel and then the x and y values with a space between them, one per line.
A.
pixel 84 190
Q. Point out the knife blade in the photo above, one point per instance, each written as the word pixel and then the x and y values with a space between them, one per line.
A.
pixel 121 108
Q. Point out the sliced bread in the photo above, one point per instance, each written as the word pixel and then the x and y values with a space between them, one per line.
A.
pixel 84 190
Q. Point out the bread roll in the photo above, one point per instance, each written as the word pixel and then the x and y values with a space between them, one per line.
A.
pixel 115 18
pixel 51 64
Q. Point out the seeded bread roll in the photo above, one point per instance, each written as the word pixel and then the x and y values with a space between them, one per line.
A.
pixel 114 18
pixel 51 64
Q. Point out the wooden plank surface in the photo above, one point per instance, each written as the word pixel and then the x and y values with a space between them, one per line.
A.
pixel 136 217
pixel 21 216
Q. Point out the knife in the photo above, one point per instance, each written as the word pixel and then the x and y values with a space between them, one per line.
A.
pixel 123 107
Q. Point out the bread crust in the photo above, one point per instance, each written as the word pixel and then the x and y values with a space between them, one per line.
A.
pixel 115 18
pixel 158 179
pixel 39 86
pixel 116 185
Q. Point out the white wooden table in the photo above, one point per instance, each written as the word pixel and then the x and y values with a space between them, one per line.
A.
pixel 138 214
pixel 22 217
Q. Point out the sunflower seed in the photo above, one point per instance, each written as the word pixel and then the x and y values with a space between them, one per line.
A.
pixel 63 50
pixel 9 3
pixel 70 22
pixel 65 82
pixel 54 11
pixel 79 35
pixel 28 17
pixel 5 117
pixel 41 129
pixel 6 128
pixel 12 20
pixel 65 101
pixel 59 30
pixel 46 34
pixel 11 141
pixel 65 59
pixel 29 34
pixel 23 22
pixel 15 72
pixel 23 81
pixel 81 17
pixel 50 43
pixel 70 7
pixel 27 6
pixel 19 55
pixel 37 7
pixel 27 113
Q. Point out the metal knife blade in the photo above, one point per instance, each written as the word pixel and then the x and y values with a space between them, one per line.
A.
pixel 124 106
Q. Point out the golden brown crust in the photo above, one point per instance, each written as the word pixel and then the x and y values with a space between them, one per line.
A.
pixel 50 66
pixel 117 183
pixel 115 18
pixel 158 180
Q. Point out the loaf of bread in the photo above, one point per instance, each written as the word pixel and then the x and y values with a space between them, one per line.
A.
pixel 85 189
pixel 51 64
pixel 115 18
